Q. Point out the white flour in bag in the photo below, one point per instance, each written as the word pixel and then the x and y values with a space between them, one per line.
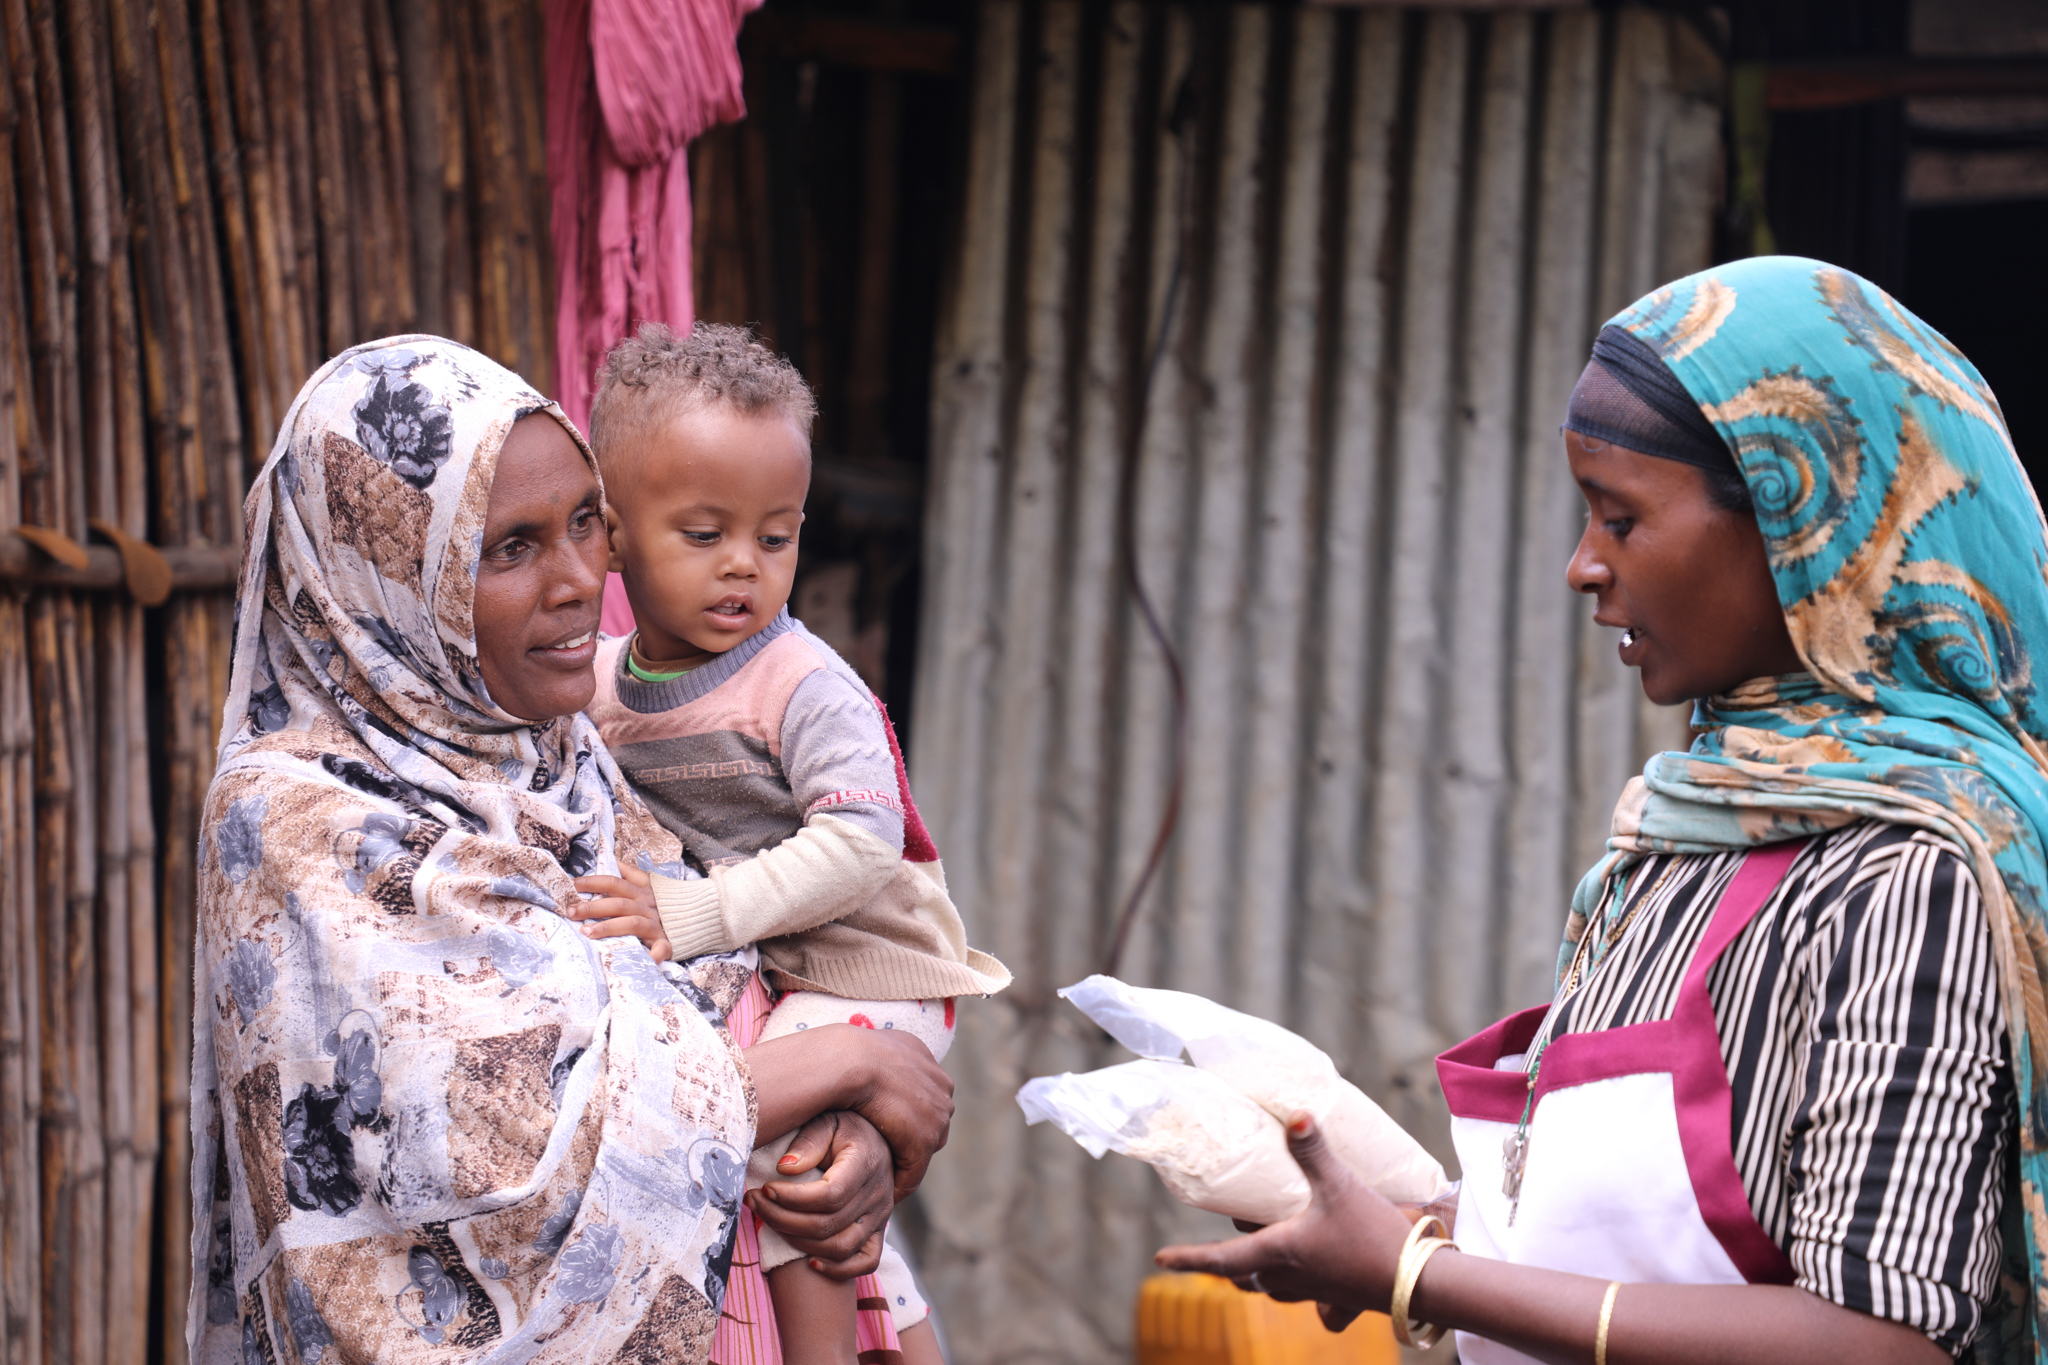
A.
pixel 1359 1132
pixel 1282 1072
pixel 1222 1162
pixel 1214 1148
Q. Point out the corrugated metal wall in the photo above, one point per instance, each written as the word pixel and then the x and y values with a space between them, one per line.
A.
pixel 1395 235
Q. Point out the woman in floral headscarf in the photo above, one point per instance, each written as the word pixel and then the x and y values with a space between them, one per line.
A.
pixel 1790 1100
pixel 433 1117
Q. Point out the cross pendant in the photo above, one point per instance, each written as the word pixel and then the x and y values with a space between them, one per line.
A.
pixel 1514 1155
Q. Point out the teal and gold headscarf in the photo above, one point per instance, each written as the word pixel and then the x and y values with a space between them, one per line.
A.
pixel 1912 563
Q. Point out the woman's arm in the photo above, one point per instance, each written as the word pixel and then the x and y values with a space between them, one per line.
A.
pixel 873 1108
pixel 1342 1251
pixel 887 1078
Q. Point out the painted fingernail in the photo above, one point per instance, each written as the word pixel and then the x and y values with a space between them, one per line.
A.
pixel 1299 1126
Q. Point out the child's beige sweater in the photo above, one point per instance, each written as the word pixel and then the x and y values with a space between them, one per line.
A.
pixel 777 769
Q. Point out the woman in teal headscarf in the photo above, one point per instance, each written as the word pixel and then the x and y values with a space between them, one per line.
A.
pixel 1791 1096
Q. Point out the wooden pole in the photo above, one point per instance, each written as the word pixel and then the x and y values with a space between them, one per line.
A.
pixel 168 340
pixel 42 280
pixel 73 1157
pixel 282 339
pixel 356 128
pixel 106 926
pixel 21 1297
pixel 489 194
pixel 333 170
pixel 139 1008
pixel 418 158
pixel 216 416
pixel 381 109
pixel 281 30
pixel 237 216
pixel 515 289
pixel 100 894
pixel 96 489
pixel 458 232
pixel 70 1157
pixel 121 813
pixel 524 60
pixel 54 330
pixel 84 1300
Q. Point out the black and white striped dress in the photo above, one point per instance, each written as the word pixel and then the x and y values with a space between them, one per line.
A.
pixel 1861 1023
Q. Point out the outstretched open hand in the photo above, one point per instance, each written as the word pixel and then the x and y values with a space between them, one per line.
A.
pixel 1340 1251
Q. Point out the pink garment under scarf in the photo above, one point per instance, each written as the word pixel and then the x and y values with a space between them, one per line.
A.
pixel 629 84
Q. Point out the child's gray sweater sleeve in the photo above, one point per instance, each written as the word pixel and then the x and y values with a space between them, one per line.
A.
pixel 837 757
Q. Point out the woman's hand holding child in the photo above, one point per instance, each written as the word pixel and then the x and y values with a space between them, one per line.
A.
pixel 836 1221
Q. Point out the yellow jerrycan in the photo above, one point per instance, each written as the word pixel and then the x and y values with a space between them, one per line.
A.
pixel 1207 1320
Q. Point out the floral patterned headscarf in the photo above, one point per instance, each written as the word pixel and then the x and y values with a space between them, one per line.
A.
pixel 1911 561
pixel 432 1120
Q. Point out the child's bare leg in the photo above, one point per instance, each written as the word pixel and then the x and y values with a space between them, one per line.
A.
pixel 814 1315
pixel 921 1345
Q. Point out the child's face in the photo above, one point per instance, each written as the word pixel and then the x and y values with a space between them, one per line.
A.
pixel 704 529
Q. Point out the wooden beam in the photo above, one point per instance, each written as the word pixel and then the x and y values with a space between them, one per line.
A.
pixel 925 49
pixel 1865 80
pixel 194 568
pixel 1453 4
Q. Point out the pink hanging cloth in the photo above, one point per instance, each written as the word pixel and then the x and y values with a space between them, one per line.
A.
pixel 629 84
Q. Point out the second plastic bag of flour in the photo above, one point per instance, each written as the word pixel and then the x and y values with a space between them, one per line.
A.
pixel 1214 1148
pixel 1282 1071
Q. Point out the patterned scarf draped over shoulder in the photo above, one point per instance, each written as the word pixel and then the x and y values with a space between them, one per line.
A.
pixel 1911 561
pixel 431 1120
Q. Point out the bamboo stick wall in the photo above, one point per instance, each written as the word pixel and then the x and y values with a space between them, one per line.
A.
pixel 203 200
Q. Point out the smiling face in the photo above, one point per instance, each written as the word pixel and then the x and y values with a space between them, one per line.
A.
pixel 704 529
pixel 1687 582
pixel 540 583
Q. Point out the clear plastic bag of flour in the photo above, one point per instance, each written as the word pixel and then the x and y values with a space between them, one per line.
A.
pixel 1214 1148
pixel 1282 1072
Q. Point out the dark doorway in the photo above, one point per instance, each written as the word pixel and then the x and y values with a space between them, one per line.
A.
pixel 824 221
pixel 1939 196
pixel 1979 273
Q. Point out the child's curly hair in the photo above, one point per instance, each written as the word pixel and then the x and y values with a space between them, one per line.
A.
pixel 649 377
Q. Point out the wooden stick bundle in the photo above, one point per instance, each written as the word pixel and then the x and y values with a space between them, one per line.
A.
pixel 202 201
pixel 217 421
pixel 238 213
pixel 281 45
pixel 458 232
pixel 281 341
pixel 21 1297
pixel 21 1281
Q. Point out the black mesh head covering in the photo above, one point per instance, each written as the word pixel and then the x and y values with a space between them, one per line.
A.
pixel 1628 395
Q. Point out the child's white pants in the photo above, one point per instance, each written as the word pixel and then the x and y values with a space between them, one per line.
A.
pixel 928 1021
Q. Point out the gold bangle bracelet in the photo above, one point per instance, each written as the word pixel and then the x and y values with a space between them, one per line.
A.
pixel 1606 1317
pixel 1415 1253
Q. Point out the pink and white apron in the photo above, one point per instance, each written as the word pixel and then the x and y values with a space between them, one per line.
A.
pixel 1628 1173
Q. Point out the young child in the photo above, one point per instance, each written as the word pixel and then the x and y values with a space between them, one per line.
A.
pixel 761 749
